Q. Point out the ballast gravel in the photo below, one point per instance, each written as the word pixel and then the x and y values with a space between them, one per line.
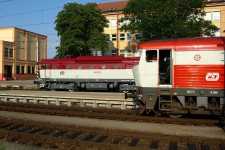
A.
pixel 166 129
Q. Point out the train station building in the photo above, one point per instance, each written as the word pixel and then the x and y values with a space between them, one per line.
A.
pixel 19 52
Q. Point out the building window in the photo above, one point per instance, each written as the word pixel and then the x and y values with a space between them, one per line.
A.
pixel 114 37
pixel 33 68
pixel 8 52
pixel 208 16
pixel 217 33
pixel 108 22
pixel 129 36
pixel 29 69
pixel 122 52
pixel 11 52
pixel 22 69
pixel 113 23
pixel 216 15
pixel 122 36
pixel 114 52
pixel 18 69
pixel 116 66
pixel 91 67
pixel 129 54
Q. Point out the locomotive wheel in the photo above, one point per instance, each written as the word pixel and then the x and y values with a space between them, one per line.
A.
pixel 222 118
pixel 141 111
pixel 176 108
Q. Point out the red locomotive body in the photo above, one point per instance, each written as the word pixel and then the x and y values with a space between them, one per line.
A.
pixel 181 76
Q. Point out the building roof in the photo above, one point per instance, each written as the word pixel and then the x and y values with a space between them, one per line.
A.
pixel 213 1
pixel 112 6
pixel 16 28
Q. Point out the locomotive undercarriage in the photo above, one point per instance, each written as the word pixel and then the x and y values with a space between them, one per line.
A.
pixel 177 102
pixel 74 85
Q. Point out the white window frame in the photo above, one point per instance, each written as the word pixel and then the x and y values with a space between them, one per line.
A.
pixel 113 38
pixel 122 36
pixel 217 33
pixel 216 15
pixel 208 16
pixel 113 22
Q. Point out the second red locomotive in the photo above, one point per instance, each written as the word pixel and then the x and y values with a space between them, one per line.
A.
pixel 87 73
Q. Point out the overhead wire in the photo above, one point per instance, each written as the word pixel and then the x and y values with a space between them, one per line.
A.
pixel 41 23
pixel 5 1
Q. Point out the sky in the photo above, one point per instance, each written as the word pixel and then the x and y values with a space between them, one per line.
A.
pixel 37 16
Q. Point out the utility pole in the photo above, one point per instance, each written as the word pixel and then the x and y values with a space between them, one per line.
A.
pixel 133 44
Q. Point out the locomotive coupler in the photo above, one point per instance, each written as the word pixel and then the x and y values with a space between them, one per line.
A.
pixel 222 118
pixel 130 95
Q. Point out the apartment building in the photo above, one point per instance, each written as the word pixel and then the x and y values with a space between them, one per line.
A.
pixel 215 12
pixel 19 52
pixel 121 42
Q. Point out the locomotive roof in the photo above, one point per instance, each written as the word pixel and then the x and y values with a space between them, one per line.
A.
pixel 184 44
pixel 90 59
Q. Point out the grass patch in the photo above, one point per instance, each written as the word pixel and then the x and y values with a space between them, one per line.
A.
pixel 75 104
pixel 2 145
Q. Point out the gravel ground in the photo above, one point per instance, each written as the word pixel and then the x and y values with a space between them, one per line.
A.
pixel 167 129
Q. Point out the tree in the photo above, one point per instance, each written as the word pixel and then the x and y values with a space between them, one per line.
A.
pixel 80 28
pixel 164 19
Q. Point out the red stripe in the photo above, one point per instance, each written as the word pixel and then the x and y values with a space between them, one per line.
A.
pixel 194 76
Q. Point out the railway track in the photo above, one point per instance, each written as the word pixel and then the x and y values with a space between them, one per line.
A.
pixel 102 113
pixel 48 135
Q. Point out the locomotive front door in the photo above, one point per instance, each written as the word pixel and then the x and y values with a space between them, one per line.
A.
pixel 165 67
pixel 151 69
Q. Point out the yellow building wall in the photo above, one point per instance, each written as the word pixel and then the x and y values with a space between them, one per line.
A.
pixel 1 56
pixel 21 59
pixel 221 22
pixel 121 44
pixel 7 34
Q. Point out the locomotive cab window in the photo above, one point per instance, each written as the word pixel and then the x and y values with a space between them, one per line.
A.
pixel 67 66
pixel 103 66
pixel 42 66
pixel 151 56
pixel 56 66
pixel 47 66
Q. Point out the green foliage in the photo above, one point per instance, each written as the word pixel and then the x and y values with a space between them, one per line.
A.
pixel 80 28
pixel 2 145
pixel 163 19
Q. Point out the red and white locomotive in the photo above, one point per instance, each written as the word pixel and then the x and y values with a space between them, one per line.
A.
pixel 180 76
pixel 87 73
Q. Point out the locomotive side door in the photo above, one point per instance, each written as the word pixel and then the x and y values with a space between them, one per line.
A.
pixel 165 68
pixel 47 71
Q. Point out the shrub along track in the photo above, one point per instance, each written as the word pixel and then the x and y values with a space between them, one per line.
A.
pixel 60 136
pixel 98 113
